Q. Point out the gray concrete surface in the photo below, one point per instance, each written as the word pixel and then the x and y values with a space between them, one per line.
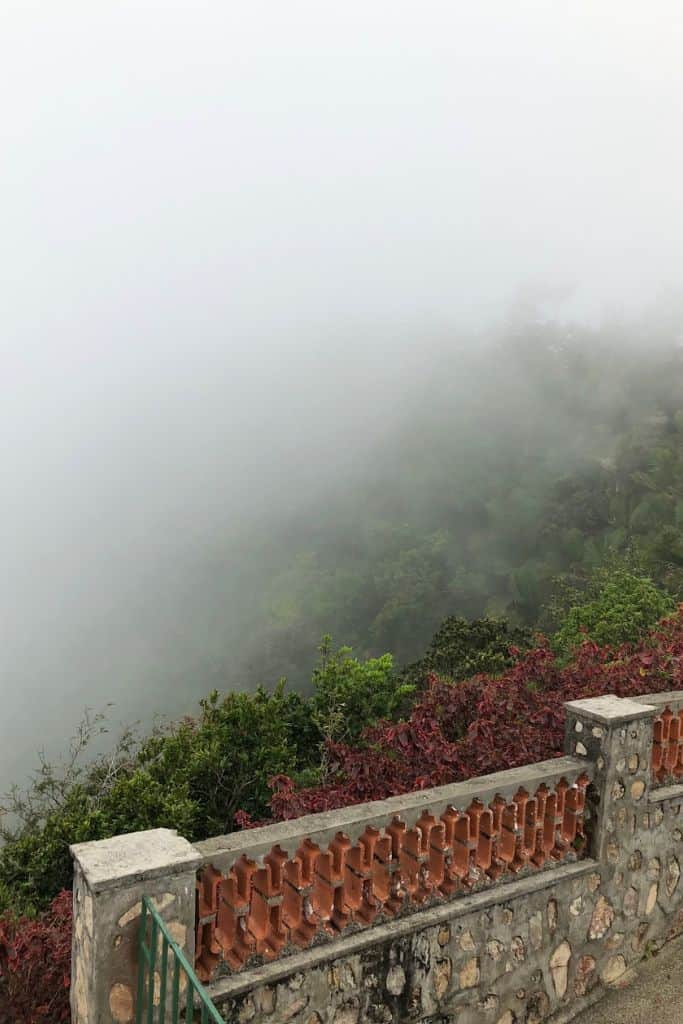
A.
pixel 655 995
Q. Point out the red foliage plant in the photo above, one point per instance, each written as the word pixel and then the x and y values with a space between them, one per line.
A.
pixel 35 965
pixel 459 731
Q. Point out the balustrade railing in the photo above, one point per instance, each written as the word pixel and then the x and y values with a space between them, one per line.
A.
pixel 667 742
pixel 267 890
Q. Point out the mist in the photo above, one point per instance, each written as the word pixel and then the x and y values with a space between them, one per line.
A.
pixel 240 244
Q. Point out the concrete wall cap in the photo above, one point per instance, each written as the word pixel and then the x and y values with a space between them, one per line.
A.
pixel 322 827
pixel 126 859
pixel 671 697
pixel 610 709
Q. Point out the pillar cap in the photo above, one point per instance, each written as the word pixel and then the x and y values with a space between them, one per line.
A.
pixel 610 709
pixel 136 857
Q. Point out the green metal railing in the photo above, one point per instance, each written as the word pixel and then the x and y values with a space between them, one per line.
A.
pixel 169 991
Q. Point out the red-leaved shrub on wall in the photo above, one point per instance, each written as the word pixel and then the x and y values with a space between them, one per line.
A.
pixel 35 965
pixel 484 724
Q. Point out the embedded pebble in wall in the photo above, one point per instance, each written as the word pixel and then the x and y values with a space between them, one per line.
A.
pixel 637 789
pixel 559 965
pixel 602 919
pixel 494 949
pixel 616 966
pixel 443 971
pixel 654 868
pixel 673 875
pixel 518 949
pixel 631 902
pixel 121 1003
pixel 635 861
pixel 470 974
pixel 396 980
pixel 576 906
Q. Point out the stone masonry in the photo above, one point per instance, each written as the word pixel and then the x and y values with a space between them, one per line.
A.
pixel 538 936
pixel 110 880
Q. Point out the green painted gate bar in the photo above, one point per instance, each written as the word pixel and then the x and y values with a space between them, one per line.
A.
pixel 172 964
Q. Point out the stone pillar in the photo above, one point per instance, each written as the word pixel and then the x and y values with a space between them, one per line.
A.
pixel 615 733
pixel 110 879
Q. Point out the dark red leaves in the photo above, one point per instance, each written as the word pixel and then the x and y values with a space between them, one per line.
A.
pixel 458 731
pixel 35 965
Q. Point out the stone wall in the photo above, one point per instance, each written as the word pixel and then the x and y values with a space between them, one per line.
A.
pixel 530 931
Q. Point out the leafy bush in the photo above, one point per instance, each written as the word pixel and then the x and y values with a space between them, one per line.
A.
pixel 461 649
pixel 349 695
pixel 192 776
pixel 35 965
pixel 195 775
pixel 618 607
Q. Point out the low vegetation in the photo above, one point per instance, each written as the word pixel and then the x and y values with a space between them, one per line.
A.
pixel 367 731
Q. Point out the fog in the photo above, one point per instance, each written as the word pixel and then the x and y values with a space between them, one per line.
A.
pixel 233 235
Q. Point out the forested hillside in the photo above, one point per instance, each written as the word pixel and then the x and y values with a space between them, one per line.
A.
pixel 540 454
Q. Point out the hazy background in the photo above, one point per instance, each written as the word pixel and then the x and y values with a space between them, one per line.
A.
pixel 232 234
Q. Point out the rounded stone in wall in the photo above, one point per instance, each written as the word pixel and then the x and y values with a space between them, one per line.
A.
pixel 396 980
pixel 559 964
pixel 637 789
pixel 616 966
pixel 673 874
pixel 470 974
pixel 602 919
pixel 121 1003
pixel 443 971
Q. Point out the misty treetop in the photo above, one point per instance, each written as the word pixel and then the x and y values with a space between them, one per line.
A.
pixel 536 456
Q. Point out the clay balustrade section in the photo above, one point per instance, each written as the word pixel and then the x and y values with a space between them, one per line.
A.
pixel 269 890
pixel 667 740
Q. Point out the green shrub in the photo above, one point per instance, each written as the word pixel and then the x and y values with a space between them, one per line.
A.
pixel 349 694
pixel 192 776
pixel 461 648
pixel 619 606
